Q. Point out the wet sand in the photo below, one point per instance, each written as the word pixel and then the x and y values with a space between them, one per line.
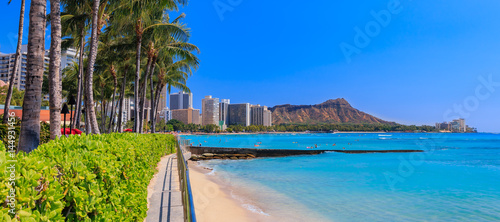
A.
pixel 213 200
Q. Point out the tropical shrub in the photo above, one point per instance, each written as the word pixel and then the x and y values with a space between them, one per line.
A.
pixel 84 178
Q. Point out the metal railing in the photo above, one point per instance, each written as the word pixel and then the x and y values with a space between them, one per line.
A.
pixel 185 185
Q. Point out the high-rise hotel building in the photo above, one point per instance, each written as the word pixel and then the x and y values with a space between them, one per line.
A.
pixel 223 111
pixel 260 115
pixel 181 100
pixel 210 110
pixel 239 114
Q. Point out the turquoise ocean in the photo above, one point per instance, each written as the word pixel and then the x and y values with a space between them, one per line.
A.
pixel 456 178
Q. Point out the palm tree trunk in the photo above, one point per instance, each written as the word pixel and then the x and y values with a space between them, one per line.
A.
pixel 30 126
pixel 79 93
pixel 112 115
pixel 122 97
pixel 137 79
pixel 89 94
pixel 55 69
pixel 16 64
pixel 113 128
pixel 103 114
pixel 153 111
pixel 155 106
pixel 143 96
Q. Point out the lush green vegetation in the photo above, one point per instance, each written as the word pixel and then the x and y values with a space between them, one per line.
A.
pixel 17 96
pixel 85 178
pixel 179 126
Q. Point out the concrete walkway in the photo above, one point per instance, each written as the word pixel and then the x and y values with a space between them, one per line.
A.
pixel 165 204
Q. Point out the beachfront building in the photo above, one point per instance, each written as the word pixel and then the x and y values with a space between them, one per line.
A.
pixel 461 124
pixel 210 109
pixel 457 125
pixel 257 114
pixel 268 118
pixel 239 114
pixel 7 65
pixel 223 113
pixel 183 115
pixel 260 115
pixel 445 126
pixel 196 117
pixel 181 100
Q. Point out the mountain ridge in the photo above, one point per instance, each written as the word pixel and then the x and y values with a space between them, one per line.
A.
pixel 330 111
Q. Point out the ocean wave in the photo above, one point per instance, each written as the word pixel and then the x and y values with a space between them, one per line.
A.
pixel 248 206
pixel 212 172
pixel 255 209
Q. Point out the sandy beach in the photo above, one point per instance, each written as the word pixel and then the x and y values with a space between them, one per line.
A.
pixel 213 201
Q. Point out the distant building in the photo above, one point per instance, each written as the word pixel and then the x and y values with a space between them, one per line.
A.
pixel 127 109
pixel 260 115
pixel 457 125
pixel 165 114
pixel 162 104
pixel 210 109
pixel 223 112
pixel 183 115
pixel 239 114
pixel 461 125
pixel 443 126
pixel 7 65
pixel 181 100
pixel 257 114
pixel 268 118
pixel 196 117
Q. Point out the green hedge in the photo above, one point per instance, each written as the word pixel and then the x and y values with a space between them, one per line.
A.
pixel 85 178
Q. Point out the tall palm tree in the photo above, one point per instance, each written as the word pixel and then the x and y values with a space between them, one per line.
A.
pixel 169 47
pixel 123 89
pixel 77 14
pixel 112 70
pixel 143 14
pixel 55 69
pixel 91 124
pixel 172 74
pixel 16 63
pixel 30 126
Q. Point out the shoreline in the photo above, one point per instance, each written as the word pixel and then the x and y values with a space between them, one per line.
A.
pixel 339 132
pixel 214 201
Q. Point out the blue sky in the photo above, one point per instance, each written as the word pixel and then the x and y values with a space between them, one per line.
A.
pixel 426 60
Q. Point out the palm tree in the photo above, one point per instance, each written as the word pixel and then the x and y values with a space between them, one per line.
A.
pixel 168 48
pixel 54 69
pixel 125 70
pixel 172 74
pixel 144 15
pixel 74 26
pixel 91 124
pixel 16 63
pixel 30 126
